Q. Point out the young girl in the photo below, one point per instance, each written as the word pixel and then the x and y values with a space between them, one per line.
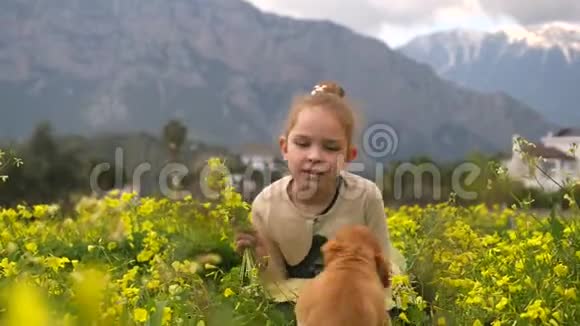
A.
pixel 294 216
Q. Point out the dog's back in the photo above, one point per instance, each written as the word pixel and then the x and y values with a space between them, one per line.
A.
pixel 341 301
pixel 349 291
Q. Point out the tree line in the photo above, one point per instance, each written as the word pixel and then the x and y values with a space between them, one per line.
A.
pixel 57 169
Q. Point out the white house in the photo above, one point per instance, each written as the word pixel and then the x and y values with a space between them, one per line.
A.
pixel 558 162
pixel 261 161
pixel 259 156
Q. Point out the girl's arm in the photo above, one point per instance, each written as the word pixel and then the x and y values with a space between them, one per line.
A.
pixel 272 265
pixel 376 219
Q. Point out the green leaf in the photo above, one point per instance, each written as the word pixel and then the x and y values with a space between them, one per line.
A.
pixel 157 317
pixel 556 227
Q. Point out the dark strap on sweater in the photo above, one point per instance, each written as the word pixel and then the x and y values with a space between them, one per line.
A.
pixel 313 263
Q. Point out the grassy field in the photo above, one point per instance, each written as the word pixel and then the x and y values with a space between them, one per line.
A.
pixel 123 260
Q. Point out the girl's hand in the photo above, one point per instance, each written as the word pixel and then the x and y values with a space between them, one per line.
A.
pixel 245 240
pixel 251 240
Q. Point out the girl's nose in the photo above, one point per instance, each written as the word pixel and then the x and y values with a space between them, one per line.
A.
pixel 314 154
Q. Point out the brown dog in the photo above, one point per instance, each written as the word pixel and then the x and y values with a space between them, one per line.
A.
pixel 350 291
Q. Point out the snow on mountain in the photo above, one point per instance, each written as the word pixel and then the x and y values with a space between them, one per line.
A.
pixel 564 36
pixel 460 46
pixel 537 64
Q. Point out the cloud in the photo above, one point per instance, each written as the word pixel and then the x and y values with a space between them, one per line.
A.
pixel 367 16
pixel 534 12
pixel 397 21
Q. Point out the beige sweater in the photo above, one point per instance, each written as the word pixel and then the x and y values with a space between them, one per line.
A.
pixel 288 231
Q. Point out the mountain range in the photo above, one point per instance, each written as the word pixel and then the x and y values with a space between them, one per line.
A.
pixel 229 72
pixel 538 65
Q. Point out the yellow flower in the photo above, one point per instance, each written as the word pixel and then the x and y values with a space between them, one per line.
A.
pixel 545 257
pixel 515 288
pixel 403 317
pixel 228 292
pixel 147 226
pixel 147 207
pixel 520 265
pixel 175 289
pixel 474 300
pixel 26 307
pixel 167 312
pixel 129 277
pixel 477 323
pixel 131 293
pixel 561 270
pixel 209 266
pixel 68 320
pixel 503 281
pixel 32 247
pixel 569 230
pixel 557 315
pixel 528 281
pixel 400 280
pixel 140 315
pixel 126 197
pixel 10 214
pixel 5 235
pixel 56 262
pixel 536 241
pixel 23 211
pixel 111 245
pixel 8 268
pixel 153 284
pixel 144 255
pixel 502 303
pixel 40 211
pixel 441 321
pixel 535 311
pixel 89 288
pixel 570 293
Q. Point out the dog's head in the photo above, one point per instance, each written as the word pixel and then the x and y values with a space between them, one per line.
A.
pixel 358 240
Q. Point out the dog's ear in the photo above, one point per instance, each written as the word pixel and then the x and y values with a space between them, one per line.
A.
pixel 383 269
pixel 330 249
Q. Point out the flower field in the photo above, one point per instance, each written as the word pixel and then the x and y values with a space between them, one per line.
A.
pixel 123 260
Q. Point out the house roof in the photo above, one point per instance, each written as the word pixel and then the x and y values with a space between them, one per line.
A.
pixel 548 152
pixel 567 132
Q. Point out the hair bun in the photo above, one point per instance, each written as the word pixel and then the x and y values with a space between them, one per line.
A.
pixel 328 87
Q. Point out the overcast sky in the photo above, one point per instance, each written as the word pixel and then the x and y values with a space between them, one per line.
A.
pixel 396 21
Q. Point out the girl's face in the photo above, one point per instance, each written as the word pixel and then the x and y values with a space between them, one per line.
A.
pixel 316 150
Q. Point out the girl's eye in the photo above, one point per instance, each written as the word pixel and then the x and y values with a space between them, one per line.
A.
pixel 332 147
pixel 301 143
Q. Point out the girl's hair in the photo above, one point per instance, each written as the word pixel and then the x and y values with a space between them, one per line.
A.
pixel 331 96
